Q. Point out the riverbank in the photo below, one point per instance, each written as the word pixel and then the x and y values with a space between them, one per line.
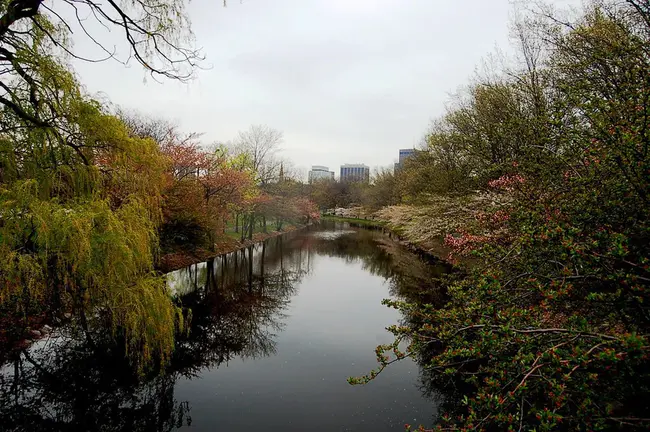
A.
pixel 432 247
pixel 227 244
pixel 425 227
pixel 14 338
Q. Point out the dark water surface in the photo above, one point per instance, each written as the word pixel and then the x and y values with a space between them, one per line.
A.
pixel 276 330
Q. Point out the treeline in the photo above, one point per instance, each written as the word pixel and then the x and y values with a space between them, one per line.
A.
pixel 381 191
pixel 549 329
pixel 89 196
pixel 239 187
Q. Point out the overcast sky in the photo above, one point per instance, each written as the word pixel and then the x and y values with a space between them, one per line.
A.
pixel 347 81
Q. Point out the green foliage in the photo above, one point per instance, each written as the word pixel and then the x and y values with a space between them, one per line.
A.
pixel 80 207
pixel 549 329
pixel 90 256
pixel 334 194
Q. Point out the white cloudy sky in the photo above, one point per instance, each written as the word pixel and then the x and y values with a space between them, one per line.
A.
pixel 347 81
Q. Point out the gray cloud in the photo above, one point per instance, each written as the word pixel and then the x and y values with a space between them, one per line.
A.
pixel 346 80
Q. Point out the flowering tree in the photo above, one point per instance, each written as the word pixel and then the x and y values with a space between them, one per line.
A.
pixel 306 209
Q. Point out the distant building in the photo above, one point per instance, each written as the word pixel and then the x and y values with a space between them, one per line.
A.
pixel 319 172
pixel 403 155
pixel 355 173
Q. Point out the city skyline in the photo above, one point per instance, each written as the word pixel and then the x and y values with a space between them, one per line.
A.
pixel 403 153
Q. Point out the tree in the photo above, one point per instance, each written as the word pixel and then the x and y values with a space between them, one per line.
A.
pixel 306 210
pixel 202 186
pixel 549 329
pixel 323 193
pixel 260 145
pixel 78 200
pixel 157 32
pixel 81 195
pixel 382 191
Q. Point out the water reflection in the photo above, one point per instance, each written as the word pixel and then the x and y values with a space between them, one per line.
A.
pixel 410 276
pixel 237 303
pixel 65 384
pixel 248 307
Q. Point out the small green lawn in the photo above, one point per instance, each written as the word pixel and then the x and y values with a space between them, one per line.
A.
pixel 357 221
pixel 270 228
pixel 230 231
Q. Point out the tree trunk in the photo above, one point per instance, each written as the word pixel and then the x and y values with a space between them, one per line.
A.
pixel 262 266
pixel 210 275
pixel 243 227
pixel 84 326
pixel 250 268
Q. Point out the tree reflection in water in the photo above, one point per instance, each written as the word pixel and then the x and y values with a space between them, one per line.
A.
pixel 411 277
pixel 67 383
pixel 238 306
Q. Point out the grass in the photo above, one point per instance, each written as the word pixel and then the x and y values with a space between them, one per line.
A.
pixel 230 232
pixel 270 228
pixel 355 221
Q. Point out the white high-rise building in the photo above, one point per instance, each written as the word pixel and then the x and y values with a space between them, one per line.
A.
pixel 319 172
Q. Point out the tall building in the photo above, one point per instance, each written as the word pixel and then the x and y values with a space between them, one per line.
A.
pixel 403 155
pixel 319 172
pixel 355 173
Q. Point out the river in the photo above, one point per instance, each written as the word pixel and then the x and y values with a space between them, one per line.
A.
pixel 276 330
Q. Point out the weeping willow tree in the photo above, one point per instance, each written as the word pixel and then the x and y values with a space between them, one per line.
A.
pixel 80 197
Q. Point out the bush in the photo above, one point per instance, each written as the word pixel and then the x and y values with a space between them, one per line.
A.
pixel 549 331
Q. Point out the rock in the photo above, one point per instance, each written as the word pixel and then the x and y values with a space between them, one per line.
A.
pixel 35 334
pixel 46 329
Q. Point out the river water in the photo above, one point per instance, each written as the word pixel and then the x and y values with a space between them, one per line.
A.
pixel 276 330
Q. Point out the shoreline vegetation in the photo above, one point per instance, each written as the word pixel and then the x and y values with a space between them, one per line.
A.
pixel 42 326
pixel 177 260
pixel 537 173
pixel 403 232
pixel 432 248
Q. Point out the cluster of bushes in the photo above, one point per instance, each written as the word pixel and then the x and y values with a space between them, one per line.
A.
pixel 549 329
